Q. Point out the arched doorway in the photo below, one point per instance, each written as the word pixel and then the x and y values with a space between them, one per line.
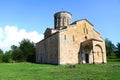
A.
pixel 87 58
pixel 91 51
pixel 87 50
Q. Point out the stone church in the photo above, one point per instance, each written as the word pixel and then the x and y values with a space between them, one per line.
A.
pixel 71 42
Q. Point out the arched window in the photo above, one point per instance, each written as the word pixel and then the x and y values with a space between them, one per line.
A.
pixel 64 19
pixel 67 21
pixel 85 30
pixel 73 38
pixel 64 37
pixel 63 22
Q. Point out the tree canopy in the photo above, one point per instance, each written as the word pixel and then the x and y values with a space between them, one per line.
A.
pixel 110 47
pixel 28 49
pixel 118 50
pixel 1 55
pixel 25 52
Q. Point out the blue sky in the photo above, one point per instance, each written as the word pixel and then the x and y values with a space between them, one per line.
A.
pixel 37 15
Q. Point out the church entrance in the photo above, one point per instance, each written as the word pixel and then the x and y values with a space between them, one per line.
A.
pixel 86 58
pixel 86 51
pixel 92 52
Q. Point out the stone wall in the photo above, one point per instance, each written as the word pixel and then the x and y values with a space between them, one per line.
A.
pixel 64 46
pixel 99 52
pixel 62 19
pixel 71 39
pixel 47 50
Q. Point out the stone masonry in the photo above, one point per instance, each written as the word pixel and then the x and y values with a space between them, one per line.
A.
pixel 71 43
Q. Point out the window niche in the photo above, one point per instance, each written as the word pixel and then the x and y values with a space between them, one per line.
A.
pixel 73 38
pixel 64 37
pixel 86 30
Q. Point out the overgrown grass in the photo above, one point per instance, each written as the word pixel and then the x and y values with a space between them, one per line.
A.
pixel 30 71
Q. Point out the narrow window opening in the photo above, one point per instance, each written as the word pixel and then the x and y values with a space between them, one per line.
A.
pixel 86 31
pixel 67 22
pixel 73 38
pixel 63 21
pixel 64 37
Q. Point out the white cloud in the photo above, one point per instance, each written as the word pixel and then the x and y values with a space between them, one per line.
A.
pixel 1 33
pixel 12 35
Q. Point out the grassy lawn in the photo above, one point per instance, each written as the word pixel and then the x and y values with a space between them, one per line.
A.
pixel 30 71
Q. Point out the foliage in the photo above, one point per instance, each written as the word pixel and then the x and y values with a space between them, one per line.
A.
pixel 1 55
pixel 29 71
pixel 17 55
pixel 7 57
pixel 28 50
pixel 110 47
pixel 118 50
pixel 24 52
pixel 14 47
pixel 114 60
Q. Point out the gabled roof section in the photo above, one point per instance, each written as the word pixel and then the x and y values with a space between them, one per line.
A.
pixel 93 39
pixel 90 42
pixel 82 20
pixel 48 29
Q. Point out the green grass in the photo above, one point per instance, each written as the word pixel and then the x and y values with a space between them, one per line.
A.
pixel 30 71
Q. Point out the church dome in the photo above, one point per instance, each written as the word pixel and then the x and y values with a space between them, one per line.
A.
pixel 62 19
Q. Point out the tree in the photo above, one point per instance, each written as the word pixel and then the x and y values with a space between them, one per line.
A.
pixel 24 52
pixel 14 47
pixel 110 48
pixel 118 50
pixel 17 55
pixel 1 55
pixel 28 49
pixel 7 57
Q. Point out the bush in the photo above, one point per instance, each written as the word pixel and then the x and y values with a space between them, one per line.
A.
pixel 7 57
pixel 111 57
